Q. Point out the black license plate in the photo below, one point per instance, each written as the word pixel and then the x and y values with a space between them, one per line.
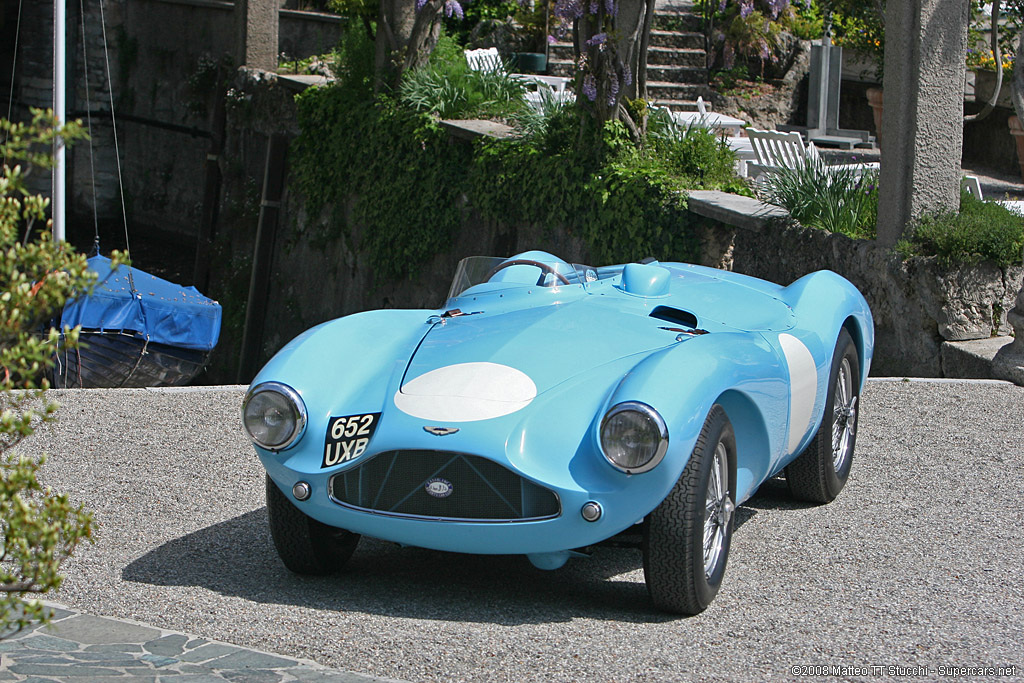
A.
pixel 348 437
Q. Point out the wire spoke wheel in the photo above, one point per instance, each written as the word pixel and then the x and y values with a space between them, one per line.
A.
pixel 686 538
pixel 821 471
pixel 718 511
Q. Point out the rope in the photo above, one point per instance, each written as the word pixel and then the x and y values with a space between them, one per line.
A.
pixel 14 66
pixel 88 115
pixel 117 151
pixel 137 363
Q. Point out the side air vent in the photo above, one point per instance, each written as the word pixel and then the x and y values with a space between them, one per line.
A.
pixel 675 316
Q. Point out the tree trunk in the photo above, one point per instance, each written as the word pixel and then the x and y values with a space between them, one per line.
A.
pixel 405 38
pixel 633 27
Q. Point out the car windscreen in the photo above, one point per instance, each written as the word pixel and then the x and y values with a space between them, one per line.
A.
pixel 515 272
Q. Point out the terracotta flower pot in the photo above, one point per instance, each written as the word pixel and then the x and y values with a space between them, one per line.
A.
pixel 874 96
pixel 1017 131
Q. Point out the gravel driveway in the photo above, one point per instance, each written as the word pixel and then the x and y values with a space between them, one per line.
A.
pixel 917 563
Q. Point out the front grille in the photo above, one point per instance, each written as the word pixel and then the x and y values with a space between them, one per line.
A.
pixel 465 487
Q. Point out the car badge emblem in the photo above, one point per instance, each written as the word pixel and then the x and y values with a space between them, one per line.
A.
pixel 439 488
pixel 440 431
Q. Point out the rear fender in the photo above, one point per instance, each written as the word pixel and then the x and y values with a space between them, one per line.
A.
pixel 824 303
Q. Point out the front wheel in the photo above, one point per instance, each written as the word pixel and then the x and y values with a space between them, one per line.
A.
pixel 686 538
pixel 305 545
pixel 821 471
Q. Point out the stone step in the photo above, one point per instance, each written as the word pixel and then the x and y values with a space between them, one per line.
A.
pixel 676 20
pixel 659 56
pixel 660 91
pixel 677 74
pixel 560 67
pixel 672 73
pixel 677 105
pixel 971 359
pixel 683 40
pixel 561 51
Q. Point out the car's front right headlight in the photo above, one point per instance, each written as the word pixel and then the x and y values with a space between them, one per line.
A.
pixel 634 437
pixel 274 415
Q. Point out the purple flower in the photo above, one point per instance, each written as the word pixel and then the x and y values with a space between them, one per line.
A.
pixel 610 8
pixel 746 7
pixel 590 87
pixel 776 7
pixel 597 39
pixel 627 75
pixel 568 9
pixel 453 7
pixel 593 6
pixel 420 4
pixel 765 50
pixel 551 40
pixel 721 5
pixel 613 91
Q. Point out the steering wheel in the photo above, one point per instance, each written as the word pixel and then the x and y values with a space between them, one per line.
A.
pixel 545 268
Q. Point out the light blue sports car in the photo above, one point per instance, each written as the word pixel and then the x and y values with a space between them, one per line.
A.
pixel 548 407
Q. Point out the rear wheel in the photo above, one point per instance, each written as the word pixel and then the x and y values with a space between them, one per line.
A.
pixel 821 471
pixel 305 545
pixel 686 538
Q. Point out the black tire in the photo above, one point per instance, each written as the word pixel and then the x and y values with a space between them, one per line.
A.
pixel 675 570
pixel 305 545
pixel 820 472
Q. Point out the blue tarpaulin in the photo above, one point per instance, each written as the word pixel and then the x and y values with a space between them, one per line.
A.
pixel 157 310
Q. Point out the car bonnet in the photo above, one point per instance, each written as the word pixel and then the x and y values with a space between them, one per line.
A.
pixel 478 367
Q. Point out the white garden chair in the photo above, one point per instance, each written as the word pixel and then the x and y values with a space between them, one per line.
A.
pixel 775 149
pixel 973 187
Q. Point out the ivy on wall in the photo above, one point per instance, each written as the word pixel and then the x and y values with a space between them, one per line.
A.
pixel 395 186
pixel 373 164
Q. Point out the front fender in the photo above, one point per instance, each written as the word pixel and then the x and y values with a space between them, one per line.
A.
pixel 343 367
pixel 741 371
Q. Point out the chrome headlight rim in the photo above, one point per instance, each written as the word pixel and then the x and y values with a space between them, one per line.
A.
pixel 648 412
pixel 299 414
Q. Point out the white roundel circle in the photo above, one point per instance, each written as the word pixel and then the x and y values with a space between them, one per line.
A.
pixel 466 392
pixel 803 387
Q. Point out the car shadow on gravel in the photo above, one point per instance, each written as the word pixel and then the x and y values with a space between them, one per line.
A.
pixel 237 558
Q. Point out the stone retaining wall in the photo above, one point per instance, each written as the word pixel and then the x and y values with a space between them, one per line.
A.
pixel 917 304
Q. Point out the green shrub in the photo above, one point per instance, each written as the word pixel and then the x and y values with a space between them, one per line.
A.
pixel 393 172
pixel 696 156
pixel 980 231
pixel 816 195
pixel 39 528
pixel 448 88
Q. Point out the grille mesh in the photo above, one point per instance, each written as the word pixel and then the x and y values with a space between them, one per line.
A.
pixel 477 488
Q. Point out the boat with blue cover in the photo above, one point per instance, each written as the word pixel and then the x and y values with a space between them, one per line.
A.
pixel 138 330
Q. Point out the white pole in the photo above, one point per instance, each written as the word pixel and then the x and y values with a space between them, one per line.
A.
pixel 57 206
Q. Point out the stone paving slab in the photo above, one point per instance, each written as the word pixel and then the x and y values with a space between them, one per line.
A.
pixel 82 648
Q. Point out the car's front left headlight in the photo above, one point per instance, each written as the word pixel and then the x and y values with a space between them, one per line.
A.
pixel 634 437
pixel 274 415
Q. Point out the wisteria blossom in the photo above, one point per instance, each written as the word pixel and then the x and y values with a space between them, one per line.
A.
pixel 453 7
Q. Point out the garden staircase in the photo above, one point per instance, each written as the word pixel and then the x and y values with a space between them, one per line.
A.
pixel 676 61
